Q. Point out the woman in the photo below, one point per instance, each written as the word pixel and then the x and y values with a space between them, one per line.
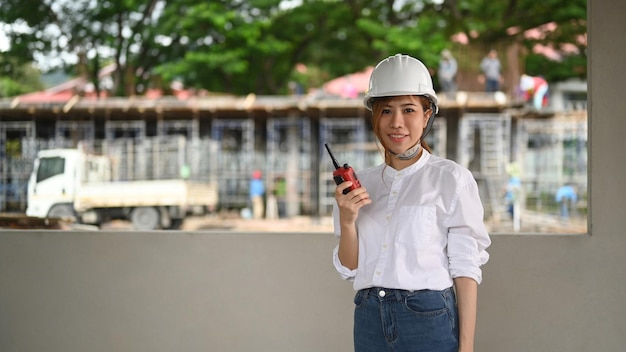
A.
pixel 411 238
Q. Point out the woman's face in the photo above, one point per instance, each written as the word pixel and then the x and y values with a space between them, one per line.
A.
pixel 400 121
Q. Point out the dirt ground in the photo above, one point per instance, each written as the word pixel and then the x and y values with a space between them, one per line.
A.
pixel 531 223
pixel 228 222
pixel 295 224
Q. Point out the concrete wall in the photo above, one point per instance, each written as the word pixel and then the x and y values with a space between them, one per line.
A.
pixel 65 292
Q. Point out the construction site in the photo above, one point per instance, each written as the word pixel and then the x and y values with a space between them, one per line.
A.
pixel 223 139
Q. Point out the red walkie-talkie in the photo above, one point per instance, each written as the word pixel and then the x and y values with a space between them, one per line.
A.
pixel 343 173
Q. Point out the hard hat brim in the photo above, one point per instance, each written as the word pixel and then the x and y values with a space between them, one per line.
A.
pixel 368 101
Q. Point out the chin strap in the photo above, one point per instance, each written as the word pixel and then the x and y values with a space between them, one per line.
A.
pixel 410 153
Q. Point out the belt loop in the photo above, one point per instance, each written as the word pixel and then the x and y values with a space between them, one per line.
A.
pixel 366 293
pixel 398 295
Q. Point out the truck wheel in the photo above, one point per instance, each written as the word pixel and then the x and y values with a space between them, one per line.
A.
pixel 145 218
pixel 63 211
pixel 176 224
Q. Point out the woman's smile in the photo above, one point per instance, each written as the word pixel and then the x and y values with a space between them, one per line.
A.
pixel 398 138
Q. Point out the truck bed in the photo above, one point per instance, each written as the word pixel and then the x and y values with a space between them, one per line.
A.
pixel 146 193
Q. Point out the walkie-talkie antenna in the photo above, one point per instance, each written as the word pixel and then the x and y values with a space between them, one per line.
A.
pixel 332 156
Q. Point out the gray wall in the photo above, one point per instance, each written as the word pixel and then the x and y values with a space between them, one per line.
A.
pixel 65 292
pixel 94 292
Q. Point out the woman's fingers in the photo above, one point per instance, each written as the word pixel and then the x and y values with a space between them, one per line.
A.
pixel 341 187
pixel 357 196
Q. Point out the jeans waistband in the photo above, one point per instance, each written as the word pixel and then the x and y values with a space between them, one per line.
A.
pixel 392 293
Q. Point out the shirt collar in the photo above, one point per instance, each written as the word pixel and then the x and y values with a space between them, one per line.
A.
pixel 409 170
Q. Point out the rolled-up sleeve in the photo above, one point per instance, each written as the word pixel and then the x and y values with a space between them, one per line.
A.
pixel 468 238
pixel 344 272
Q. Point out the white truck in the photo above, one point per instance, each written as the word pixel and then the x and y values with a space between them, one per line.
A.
pixel 69 183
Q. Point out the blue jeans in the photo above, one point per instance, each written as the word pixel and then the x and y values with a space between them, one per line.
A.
pixel 492 85
pixel 398 320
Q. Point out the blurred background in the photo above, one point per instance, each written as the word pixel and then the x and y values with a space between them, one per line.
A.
pixel 216 92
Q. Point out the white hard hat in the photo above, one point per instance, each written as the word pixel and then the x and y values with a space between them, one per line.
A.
pixel 526 82
pixel 400 75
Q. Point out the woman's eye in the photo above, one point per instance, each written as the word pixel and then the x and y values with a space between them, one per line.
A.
pixel 409 110
pixel 386 111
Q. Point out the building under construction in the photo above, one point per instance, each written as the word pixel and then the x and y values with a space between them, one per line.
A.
pixel 226 138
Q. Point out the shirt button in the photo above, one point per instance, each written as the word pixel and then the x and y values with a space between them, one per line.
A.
pixel 382 293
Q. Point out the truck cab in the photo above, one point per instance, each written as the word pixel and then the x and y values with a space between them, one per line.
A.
pixel 57 176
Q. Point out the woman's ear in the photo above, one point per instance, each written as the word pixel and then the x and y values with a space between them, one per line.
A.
pixel 428 114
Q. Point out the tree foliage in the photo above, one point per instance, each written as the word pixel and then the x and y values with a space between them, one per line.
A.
pixel 243 46
pixel 17 78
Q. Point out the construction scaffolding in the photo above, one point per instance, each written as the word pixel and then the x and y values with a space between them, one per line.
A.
pixel 125 146
pixel 437 138
pixel 187 128
pixel 552 152
pixel 70 133
pixel 182 152
pixel 234 160
pixel 224 140
pixel 484 148
pixel 15 165
pixel 289 164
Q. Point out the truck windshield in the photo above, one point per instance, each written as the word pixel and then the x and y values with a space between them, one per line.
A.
pixel 49 167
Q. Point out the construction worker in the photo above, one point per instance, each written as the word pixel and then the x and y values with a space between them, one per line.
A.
pixel 257 192
pixel 491 72
pixel 535 89
pixel 448 68
pixel 413 230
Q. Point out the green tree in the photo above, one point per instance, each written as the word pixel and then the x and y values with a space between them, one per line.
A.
pixel 558 24
pixel 90 33
pixel 17 78
pixel 250 46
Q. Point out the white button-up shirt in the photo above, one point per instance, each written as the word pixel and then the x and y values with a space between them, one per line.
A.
pixel 423 228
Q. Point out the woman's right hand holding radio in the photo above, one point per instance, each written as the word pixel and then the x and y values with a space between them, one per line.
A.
pixel 350 203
